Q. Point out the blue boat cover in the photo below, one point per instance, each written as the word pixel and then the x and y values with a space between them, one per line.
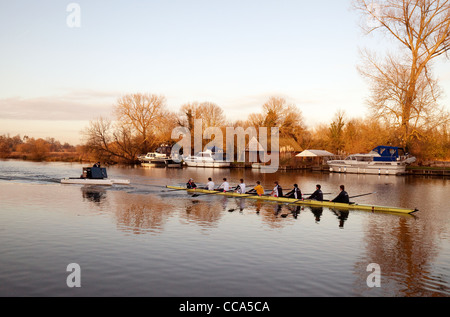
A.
pixel 388 153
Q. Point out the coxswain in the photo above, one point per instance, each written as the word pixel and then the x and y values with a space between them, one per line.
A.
pixel 258 189
pixel 277 190
pixel 225 187
pixel 240 189
pixel 317 195
pixel 342 197
pixel 295 193
pixel 190 184
pixel 210 185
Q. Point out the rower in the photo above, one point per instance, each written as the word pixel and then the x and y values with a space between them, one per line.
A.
pixel 225 187
pixel 277 190
pixel 258 189
pixel 210 185
pixel 241 187
pixel 342 197
pixel 190 184
pixel 317 195
pixel 295 193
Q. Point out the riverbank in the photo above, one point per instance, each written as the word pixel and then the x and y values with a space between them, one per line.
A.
pixel 49 157
pixel 424 168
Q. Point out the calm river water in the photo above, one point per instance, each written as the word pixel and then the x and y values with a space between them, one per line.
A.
pixel 142 240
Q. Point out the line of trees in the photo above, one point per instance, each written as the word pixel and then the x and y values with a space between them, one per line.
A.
pixel 37 149
pixel 142 123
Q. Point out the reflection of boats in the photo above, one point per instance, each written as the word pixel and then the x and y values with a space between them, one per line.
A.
pixel 386 160
pixel 312 203
pixel 94 194
pixel 207 159
pixel 94 176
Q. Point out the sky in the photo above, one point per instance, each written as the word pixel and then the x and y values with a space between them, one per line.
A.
pixel 56 74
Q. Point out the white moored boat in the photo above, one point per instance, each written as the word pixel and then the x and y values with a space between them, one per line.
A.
pixel 206 159
pixel 383 160
pixel 94 176
pixel 150 157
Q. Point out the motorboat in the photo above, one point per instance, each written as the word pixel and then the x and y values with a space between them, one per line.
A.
pixel 207 159
pixel 153 156
pixel 383 160
pixel 94 176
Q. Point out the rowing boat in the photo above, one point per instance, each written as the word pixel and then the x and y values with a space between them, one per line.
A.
pixel 306 202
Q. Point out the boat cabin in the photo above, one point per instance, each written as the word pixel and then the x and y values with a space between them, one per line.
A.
pixel 388 153
pixel 94 173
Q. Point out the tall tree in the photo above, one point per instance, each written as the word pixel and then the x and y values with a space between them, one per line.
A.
pixel 336 132
pixel 143 114
pixel 422 28
pixel 276 112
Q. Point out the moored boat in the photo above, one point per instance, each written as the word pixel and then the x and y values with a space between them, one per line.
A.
pixel 383 160
pixel 313 203
pixel 207 159
pixel 94 176
pixel 154 156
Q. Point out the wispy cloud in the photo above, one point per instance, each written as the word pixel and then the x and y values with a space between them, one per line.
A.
pixel 76 105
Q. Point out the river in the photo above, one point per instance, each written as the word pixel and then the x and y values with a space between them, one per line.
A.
pixel 143 240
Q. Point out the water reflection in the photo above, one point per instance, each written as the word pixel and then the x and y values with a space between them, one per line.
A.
pixel 93 194
pixel 342 215
pixel 138 214
pixel 204 213
pixel 406 252
pixel 317 211
pixel 412 251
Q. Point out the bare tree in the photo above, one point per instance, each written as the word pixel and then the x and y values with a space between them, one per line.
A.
pixel 422 28
pixel 143 114
pixel 276 112
pixel 211 114
pixel 110 143
pixel 389 83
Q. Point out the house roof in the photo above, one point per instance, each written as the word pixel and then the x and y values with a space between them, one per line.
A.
pixel 314 153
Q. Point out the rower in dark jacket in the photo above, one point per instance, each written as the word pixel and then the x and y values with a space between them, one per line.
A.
pixel 277 191
pixel 190 184
pixel 317 195
pixel 295 193
pixel 342 197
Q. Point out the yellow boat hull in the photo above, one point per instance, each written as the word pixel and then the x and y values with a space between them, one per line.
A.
pixel 312 203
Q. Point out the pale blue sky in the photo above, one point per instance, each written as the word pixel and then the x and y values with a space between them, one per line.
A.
pixel 54 78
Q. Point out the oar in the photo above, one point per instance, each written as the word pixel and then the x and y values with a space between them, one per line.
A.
pixel 362 195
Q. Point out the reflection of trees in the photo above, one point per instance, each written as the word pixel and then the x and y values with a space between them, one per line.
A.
pixel 142 213
pixel 204 213
pixel 404 252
